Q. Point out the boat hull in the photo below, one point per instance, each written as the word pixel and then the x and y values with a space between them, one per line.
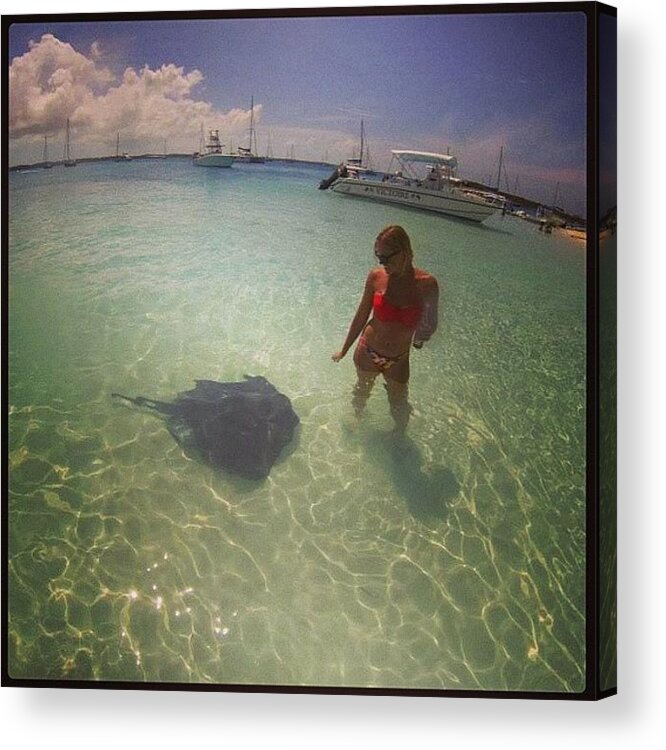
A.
pixel 214 160
pixel 250 159
pixel 446 202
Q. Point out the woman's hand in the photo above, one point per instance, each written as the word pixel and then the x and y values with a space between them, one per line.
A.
pixel 337 356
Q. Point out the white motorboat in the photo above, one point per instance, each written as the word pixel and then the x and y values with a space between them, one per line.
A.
pixel 437 190
pixel 213 156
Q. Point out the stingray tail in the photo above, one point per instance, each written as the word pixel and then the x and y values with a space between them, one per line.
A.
pixel 142 401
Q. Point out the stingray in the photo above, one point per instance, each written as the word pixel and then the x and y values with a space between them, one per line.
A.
pixel 241 427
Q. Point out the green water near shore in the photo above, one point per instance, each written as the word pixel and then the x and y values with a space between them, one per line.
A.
pixel 453 558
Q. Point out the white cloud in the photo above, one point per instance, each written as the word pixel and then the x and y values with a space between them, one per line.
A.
pixel 47 83
pixel 53 81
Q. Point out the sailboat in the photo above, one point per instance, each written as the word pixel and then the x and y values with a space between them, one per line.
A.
pixel 354 167
pixel 124 156
pixel 249 155
pixel 46 164
pixel 67 160
pixel 492 197
pixel 360 164
pixel 552 215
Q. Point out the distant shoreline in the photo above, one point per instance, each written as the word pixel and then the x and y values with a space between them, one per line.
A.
pixel 145 157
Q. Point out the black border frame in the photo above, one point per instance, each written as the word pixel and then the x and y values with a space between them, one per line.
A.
pixel 592 10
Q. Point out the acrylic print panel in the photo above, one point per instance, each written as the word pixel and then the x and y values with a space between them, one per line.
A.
pixel 434 543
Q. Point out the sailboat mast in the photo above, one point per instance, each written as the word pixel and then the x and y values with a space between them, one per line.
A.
pixel 360 157
pixel 499 171
pixel 46 150
pixel 251 123
pixel 67 156
pixel 117 145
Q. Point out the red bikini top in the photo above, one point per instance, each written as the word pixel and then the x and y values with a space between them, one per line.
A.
pixel 388 313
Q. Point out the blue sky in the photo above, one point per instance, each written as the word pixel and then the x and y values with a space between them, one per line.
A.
pixel 469 82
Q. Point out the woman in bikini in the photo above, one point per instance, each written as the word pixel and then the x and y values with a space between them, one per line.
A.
pixel 403 301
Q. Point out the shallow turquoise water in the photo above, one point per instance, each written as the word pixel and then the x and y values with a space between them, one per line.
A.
pixel 453 559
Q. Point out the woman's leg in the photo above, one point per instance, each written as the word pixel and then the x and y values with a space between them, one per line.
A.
pixel 362 389
pixel 366 374
pixel 397 388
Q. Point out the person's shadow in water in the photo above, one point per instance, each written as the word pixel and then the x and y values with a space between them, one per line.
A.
pixel 428 490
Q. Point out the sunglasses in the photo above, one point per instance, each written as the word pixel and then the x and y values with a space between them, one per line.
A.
pixel 384 259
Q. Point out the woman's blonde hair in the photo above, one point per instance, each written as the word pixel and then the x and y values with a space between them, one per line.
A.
pixel 394 238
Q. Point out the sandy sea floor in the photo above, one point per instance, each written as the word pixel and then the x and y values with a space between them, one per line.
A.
pixel 452 558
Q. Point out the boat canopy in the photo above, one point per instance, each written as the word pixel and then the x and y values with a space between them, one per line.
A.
pixel 424 156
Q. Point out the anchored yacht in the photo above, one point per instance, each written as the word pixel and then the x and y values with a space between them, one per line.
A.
pixel 422 180
pixel 213 156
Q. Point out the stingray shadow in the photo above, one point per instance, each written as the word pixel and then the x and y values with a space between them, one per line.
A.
pixel 427 490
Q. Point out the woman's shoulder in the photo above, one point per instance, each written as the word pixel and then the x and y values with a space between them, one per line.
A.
pixel 425 280
pixel 376 278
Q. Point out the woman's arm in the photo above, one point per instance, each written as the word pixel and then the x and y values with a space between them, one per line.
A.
pixel 360 319
pixel 430 314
